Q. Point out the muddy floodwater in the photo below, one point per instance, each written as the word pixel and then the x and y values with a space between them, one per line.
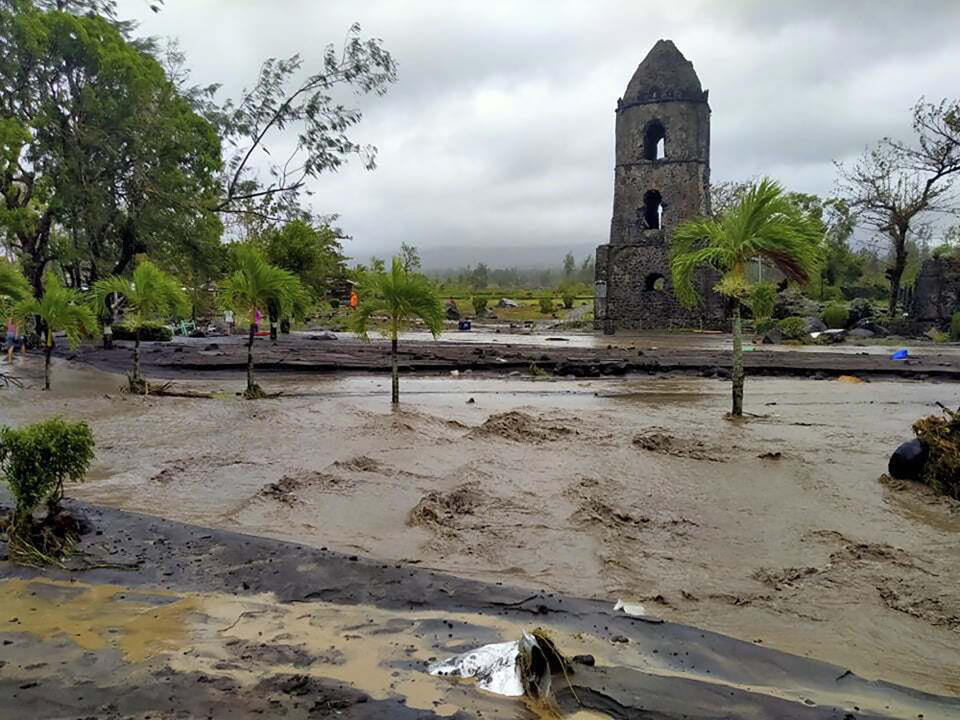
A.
pixel 774 530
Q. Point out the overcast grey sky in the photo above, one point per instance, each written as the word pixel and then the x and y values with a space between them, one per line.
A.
pixel 496 144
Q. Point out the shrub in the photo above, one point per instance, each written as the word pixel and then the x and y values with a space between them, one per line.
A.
pixel 546 305
pixel 335 303
pixel 955 327
pixel 150 332
pixel 479 305
pixel 793 328
pixel 37 459
pixel 762 299
pixel 569 298
pixel 836 316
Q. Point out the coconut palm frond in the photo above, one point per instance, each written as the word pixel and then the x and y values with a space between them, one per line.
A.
pixel 61 309
pixel 13 284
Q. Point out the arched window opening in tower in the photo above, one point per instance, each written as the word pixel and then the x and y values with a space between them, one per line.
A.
pixel 655 141
pixel 653 209
pixel 654 281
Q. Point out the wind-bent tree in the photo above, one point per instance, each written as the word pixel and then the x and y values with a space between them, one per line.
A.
pixel 61 310
pixel 764 224
pixel 255 285
pixel 893 186
pixel 149 296
pixel 401 297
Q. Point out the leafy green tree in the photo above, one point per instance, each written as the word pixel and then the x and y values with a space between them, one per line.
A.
pixel 96 144
pixel 313 254
pixel 569 266
pixel 763 224
pixel 410 257
pixel 61 310
pixel 252 287
pixel 13 285
pixel 149 296
pixel 480 277
pixel 402 297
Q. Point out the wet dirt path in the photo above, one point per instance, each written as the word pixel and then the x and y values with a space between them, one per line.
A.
pixel 612 488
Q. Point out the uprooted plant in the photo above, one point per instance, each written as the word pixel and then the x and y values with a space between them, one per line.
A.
pixel 35 461
pixel 941 436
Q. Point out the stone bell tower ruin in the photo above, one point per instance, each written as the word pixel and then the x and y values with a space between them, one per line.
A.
pixel 661 178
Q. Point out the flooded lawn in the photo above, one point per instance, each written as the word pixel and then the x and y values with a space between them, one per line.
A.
pixel 774 530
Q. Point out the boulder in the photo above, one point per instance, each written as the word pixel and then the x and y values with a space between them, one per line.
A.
pixel 815 325
pixel 507 303
pixel 860 309
pixel 908 460
pixel 860 334
pixel 791 303
pixel 831 337
pixel 868 324
pixel 773 336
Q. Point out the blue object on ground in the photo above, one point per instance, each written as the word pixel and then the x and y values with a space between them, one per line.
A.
pixel 900 354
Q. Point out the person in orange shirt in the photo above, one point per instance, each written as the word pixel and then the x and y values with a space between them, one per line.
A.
pixel 354 299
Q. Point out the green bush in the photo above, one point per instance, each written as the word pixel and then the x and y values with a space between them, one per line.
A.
pixel 37 459
pixel 150 332
pixel 569 298
pixel 546 305
pixel 479 305
pixel 793 328
pixel 836 316
pixel 955 327
pixel 762 299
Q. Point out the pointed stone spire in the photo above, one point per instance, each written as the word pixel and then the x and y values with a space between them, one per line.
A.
pixel 664 74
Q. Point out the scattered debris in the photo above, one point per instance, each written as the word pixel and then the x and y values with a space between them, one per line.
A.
pixel 776 455
pixel 630 608
pixel 850 379
pixel 940 436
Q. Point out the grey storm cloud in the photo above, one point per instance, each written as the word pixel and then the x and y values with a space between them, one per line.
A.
pixel 496 144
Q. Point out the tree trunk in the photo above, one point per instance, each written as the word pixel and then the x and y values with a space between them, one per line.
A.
pixel 895 273
pixel 737 361
pixel 46 365
pixel 250 381
pixel 395 372
pixel 136 356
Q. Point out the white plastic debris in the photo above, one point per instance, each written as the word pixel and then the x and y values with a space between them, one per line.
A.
pixel 631 608
pixel 494 667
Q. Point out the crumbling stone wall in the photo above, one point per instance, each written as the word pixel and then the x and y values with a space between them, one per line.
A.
pixel 936 292
pixel 653 193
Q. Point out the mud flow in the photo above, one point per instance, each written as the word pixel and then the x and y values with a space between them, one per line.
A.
pixel 775 530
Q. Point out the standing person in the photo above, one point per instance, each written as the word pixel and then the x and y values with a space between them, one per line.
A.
pixel 354 299
pixel 228 317
pixel 11 338
pixel 259 318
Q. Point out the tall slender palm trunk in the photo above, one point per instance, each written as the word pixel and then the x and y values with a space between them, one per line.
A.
pixel 737 360
pixel 46 363
pixel 136 357
pixel 395 370
pixel 250 380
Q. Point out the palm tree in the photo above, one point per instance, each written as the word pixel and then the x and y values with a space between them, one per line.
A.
pixel 61 309
pixel 765 224
pixel 149 296
pixel 253 286
pixel 402 297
